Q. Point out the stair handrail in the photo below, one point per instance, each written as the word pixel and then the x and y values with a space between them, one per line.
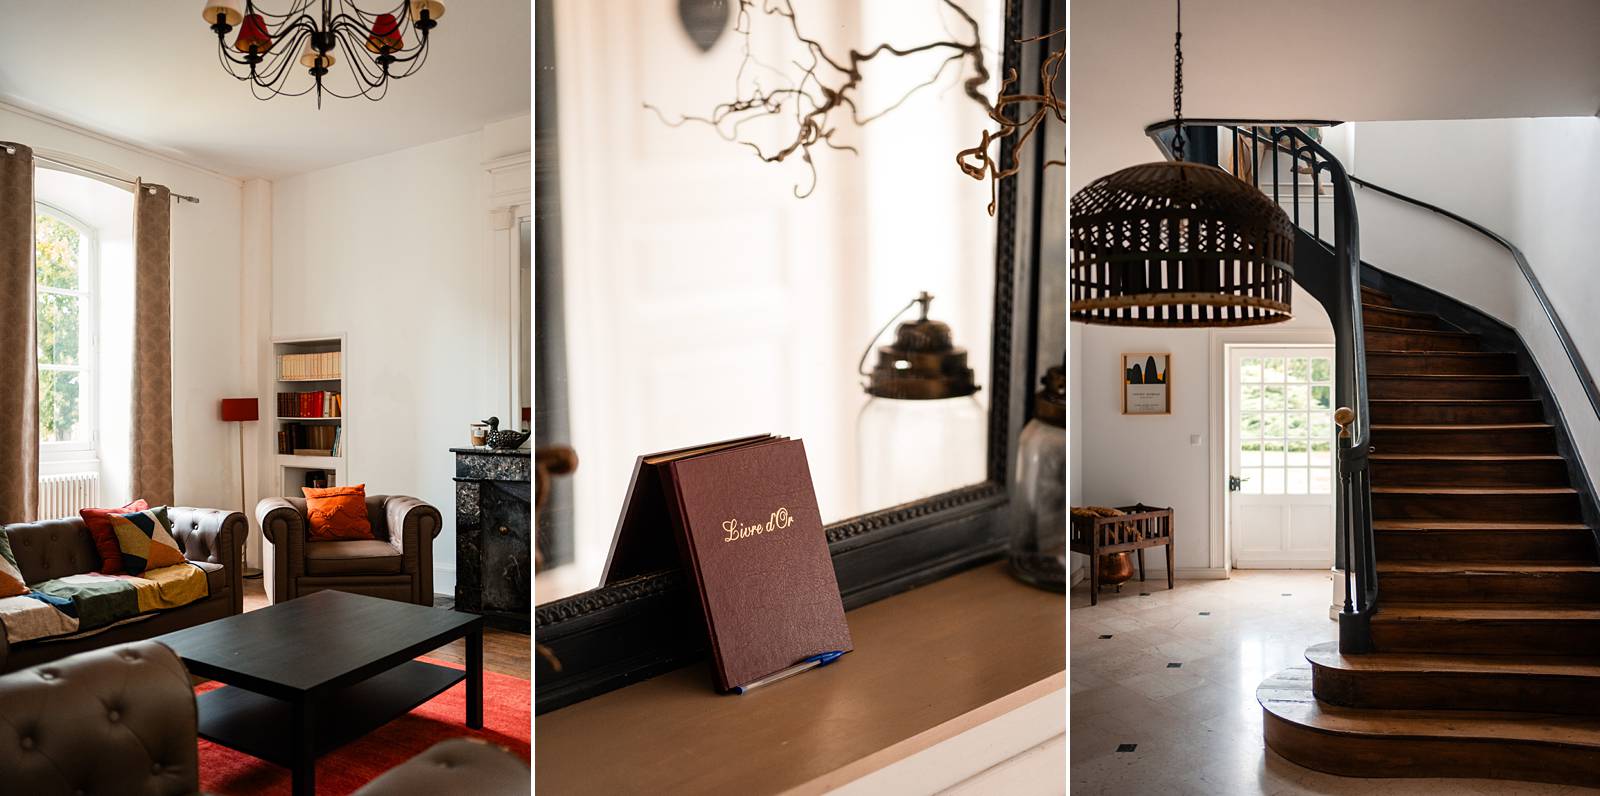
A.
pixel 1343 302
pixel 1568 347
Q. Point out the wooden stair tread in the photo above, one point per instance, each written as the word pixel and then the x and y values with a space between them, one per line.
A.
pixel 1452 401
pixel 1327 654
pixel 1482 567
pixel 1461 427
pixel 1474 525
pixel 1411 352
pixel 1287 695
pixel 1468 612
pixel 1435 377
pixel 1467 457
pixel 1398 310
pixel 1474 490
pixel 1401 330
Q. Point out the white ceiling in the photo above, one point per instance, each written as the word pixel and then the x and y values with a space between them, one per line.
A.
pixel 1348 60
pixel 147 72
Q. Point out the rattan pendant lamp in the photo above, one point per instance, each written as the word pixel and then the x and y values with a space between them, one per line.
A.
pixel 1177 244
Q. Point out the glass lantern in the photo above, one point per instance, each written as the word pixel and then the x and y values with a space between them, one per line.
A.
pixel 1039 520
pixel 922 431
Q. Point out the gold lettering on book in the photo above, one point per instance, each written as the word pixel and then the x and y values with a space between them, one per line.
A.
pixel 737 530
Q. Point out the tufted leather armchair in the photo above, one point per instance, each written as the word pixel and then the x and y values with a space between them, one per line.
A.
pixel 457 766
pixel 114 720
pixel 48 549
pixel 396 564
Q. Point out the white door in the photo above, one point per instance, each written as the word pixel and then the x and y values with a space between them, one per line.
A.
pixel 1280 450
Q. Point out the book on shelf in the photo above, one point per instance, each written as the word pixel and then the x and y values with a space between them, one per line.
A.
pixel 304 439
pixel 318 365
pixel 317 403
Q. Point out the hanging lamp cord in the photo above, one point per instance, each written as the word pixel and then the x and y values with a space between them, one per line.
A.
pixel 1178 139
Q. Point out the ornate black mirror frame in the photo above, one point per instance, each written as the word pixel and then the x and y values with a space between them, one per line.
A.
pixel 613 636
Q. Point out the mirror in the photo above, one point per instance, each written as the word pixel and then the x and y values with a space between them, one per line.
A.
pixel 707 269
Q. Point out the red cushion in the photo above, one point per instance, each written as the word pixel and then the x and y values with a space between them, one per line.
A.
pixel 105 540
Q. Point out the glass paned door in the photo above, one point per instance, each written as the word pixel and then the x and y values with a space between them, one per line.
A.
pixel 1280 456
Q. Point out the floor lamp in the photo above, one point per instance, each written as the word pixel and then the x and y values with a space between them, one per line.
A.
pixel 241 411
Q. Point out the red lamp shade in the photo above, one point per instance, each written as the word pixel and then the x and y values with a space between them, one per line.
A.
pixel 240 409
pixel 385 36
pixel 253 35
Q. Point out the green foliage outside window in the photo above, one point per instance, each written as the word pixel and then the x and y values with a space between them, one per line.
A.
pixel 57 260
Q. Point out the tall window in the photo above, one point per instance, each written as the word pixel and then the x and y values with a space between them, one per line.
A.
pixel 64 269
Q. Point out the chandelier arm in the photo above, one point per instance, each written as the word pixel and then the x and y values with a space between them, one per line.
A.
pixel 360 65
pixel 297 8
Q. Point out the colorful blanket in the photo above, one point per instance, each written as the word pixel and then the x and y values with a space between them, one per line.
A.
pixel 92 601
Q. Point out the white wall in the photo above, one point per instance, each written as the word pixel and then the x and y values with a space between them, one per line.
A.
pixel 1530 180
pixel 205 297
pixel 392 252
pixel 1122 459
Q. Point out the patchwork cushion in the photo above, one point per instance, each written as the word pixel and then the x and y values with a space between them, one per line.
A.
pixel 145 540
pixel 11 583
pixel 338 512
pixel 105 542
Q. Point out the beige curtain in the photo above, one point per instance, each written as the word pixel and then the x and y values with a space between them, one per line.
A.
pixel 19 372
pixel 152 344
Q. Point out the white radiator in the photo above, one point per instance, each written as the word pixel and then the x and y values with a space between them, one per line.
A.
pixel 62 495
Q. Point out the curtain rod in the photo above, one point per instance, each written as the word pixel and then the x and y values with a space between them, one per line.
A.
pixel 114 178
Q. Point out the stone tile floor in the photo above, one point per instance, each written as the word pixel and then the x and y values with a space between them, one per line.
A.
pixel 1197 726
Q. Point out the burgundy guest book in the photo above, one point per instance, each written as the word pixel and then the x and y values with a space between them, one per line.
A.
pixel 741 518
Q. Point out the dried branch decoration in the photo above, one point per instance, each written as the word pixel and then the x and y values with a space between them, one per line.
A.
pixel 978 162
pixel 824 88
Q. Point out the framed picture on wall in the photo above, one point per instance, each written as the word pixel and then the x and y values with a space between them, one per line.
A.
pixel 1147 384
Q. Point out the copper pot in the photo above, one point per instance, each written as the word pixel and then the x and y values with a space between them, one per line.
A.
pixel 1115 569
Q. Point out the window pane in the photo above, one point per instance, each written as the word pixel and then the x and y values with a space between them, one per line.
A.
pixel 1273 425
pixel 1297 453
pixel 59 406
pixel 1250 396
pixel 1321 452
pixel 1272 453
pixel 1250 454
pixel 1322 397
pixel 1321 425
pixel 1322 369
pixel 57 247
pixel 1299 369
pixel 59 320
pixel 1272 398
pixel 1298 483
pixel 1321 481
pixel 1299 424
pixel 1250 369
pixel 1249 424
pixel 1272 369
pixel 1250 481
pixel 1272 481
pixel 1297 396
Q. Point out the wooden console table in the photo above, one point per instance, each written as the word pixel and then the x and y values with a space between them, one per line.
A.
pixel 1139 527
pixel 929 665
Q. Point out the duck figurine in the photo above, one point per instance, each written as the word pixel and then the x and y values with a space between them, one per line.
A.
pixel 504 440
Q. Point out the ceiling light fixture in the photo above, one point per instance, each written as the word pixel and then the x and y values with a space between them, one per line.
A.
pixel 1174 244
pixel 317 34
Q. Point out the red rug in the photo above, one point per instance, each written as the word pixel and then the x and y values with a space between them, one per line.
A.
pixel 507 719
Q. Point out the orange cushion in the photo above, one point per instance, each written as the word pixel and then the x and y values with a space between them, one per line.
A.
pixel 338 512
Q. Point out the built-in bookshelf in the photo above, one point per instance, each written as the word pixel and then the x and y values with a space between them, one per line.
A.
pixel 308 411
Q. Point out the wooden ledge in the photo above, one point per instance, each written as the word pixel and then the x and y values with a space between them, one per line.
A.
pixel 928 665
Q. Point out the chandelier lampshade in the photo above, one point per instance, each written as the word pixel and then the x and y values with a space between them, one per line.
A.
pixel 1178 244
pixel 222 12
pixel 376 46
pixel 253 36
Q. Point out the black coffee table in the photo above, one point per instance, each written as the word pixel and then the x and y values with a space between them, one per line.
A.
pixel 309 675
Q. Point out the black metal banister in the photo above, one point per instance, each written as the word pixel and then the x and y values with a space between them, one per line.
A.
pixel 1337 286
pixel 1571 349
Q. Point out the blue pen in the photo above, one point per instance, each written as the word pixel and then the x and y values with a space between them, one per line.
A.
pixel 820 659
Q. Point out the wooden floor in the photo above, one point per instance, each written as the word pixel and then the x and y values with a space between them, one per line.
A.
pixel 504 652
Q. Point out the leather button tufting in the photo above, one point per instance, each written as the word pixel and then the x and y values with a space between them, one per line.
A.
pixel 27 742
pixel 47 675
pixel 155 768
pixel 113 715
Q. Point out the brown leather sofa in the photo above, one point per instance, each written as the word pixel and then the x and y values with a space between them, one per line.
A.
pixel 122 720
pixel 211 538
pixel 396 564
pixel 115 720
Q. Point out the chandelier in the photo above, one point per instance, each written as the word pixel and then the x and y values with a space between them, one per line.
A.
pixel 316 35
pixel 1177 245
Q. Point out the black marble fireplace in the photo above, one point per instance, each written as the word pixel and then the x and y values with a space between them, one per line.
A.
pixel 494 554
